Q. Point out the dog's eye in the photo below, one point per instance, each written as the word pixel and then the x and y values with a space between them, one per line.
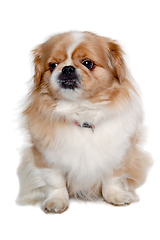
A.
pixel 88 63
pixel 52 66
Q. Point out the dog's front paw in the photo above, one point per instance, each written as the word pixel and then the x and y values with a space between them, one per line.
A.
pixel 122 198
pixel 55 205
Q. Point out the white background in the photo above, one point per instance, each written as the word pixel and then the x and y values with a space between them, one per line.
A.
pixel 24 24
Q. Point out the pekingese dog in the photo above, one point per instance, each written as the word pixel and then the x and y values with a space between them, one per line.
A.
pixel 84 117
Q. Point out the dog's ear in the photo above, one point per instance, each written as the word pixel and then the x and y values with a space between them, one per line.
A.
pixel 116 61
pixel 37 59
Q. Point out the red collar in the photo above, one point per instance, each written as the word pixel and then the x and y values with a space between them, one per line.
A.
pixel 85 125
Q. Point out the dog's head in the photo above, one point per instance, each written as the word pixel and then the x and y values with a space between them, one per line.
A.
pixel 79 65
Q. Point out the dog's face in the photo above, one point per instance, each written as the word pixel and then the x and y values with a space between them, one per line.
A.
pixel 79 65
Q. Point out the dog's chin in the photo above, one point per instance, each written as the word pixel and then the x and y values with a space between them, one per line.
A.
pixel 71 94
pixel 66 92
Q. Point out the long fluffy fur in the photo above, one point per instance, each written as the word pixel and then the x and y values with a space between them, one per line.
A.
pixel 65 160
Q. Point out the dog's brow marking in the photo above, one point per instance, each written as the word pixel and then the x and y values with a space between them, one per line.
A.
pixel 77 38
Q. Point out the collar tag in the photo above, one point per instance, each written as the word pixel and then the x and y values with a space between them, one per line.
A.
pixel 85 125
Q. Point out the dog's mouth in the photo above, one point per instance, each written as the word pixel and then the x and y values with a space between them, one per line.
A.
pixel 71 84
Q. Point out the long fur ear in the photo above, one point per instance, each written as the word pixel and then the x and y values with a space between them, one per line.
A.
pixel 37 59
pixel 116 60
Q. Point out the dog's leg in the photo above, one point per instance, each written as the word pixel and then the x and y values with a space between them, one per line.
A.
pixel 56 195
pixel 117 191
pixel 45 185
pixel 31 182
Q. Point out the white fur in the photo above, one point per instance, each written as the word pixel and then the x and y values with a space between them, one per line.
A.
pixel 85 154
pixel 82 158
pixel 117 191
pixel 77 38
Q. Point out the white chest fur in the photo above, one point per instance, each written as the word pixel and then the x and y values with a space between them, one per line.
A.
pixel 87 156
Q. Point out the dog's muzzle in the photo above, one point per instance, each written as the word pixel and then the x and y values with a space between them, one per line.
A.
pixel 68 78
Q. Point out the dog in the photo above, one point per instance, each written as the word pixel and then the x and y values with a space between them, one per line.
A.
pixel 84 118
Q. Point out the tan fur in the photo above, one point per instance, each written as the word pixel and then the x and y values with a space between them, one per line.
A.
pixel 42 124
pixel 101 50
pixel 109 90
pixel 39 160
pixel 135 163
pixel 106 83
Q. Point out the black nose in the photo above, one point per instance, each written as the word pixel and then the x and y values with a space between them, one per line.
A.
pixel 67 70
pixel 68 78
